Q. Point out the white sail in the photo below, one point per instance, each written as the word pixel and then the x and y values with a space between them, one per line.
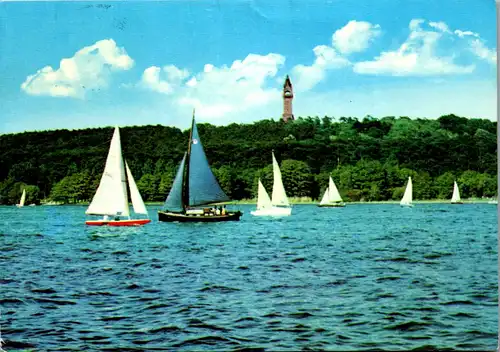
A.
pixel 111 195
pixel 455 198
pixel 326 198
pixel 279 195
pixel 23 198
pixel 408 195
pixel 333 193
pixel 263 200
pixel 137 202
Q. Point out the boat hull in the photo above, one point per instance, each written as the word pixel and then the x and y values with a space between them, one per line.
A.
pixel 457 202
pixel 274 211
pixel 166 216
pixel 334 205
pixel 131 222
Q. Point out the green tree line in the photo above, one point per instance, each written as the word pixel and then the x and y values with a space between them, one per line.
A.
pixel 369 159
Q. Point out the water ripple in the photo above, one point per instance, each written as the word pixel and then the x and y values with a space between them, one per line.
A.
pixel 374 279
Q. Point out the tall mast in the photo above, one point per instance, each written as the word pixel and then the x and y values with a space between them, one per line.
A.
pixel 185 186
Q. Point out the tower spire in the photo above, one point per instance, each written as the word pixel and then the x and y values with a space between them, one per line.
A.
pixel 287 100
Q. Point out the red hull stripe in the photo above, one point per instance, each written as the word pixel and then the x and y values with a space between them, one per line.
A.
pixel 132 222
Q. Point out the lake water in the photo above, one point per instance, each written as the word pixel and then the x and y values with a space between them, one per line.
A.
pixel 357 278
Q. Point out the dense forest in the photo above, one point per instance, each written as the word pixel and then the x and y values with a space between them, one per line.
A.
pixel 369 159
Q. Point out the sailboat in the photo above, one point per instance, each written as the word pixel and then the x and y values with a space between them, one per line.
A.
pixel 455 198
pixel 111 198
pixel 332 197
pixel 194 187
pixel 278 205
pixel 23 199
pixel 407 200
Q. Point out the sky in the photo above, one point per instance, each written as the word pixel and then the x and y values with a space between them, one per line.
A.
pixel 86 64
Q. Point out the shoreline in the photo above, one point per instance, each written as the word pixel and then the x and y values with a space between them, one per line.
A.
pixel 308 202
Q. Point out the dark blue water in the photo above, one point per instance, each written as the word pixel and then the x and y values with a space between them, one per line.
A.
pixel 357 278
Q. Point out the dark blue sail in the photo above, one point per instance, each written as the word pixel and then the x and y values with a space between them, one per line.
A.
pixel 174 199
pixel 203 186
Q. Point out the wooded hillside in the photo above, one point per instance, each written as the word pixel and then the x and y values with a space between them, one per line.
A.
pixel 369 159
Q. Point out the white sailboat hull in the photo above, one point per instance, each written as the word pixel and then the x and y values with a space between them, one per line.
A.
pixel 274 211
pixel 406 205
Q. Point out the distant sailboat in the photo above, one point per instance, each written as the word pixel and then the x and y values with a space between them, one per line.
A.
pixel 407 200
pixel 195 186
pixel 23 199
pixel 332 197
pixel 278 205
pixel 455 198
pixel 111 198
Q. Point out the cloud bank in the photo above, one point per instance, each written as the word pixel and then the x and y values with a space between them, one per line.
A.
pixel 90 68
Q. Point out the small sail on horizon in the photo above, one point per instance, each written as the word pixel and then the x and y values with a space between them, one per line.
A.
pixel 408 195
pixel 23 199
pixel 279 195
pixel 332 195
pixel 455 198
pixel 278 205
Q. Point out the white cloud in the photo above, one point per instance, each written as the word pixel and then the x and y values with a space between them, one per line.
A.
pixel 355 36
pixel 462 34
pixel 477 46
pixel 218 92
pixel 443 27
pixel 483 52
pixel 89 68
pixel 306 77
pixel 173 78
pixel 415 57
pixel 415 24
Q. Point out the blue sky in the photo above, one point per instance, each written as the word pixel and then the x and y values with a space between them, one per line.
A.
pixel 95 64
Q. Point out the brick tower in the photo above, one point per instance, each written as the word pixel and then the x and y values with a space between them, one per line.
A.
pixel 287 100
